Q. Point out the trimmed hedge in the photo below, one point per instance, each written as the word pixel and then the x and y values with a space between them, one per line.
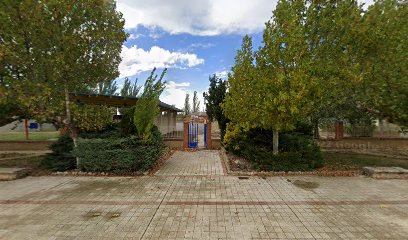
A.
pixel 118 155
pixel 297 149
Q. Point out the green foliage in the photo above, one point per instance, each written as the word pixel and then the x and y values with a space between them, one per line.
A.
pixel 127 126
pixel 147 107
pixel 187 109
pixel 322 59
pixel 299 151
pixel 8 111
pixel 359 59
pixel 129 90
pixel 196 103
pixel 90 117
pixel 241 101
pixel 108 87
pixel 119 155
pixel 213 100
pixel 61 158
pixel 111 131
pixel 54 46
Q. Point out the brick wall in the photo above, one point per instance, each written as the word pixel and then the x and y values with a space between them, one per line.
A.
pixel 391 147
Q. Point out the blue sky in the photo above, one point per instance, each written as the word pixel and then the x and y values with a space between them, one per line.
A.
pixel 192 38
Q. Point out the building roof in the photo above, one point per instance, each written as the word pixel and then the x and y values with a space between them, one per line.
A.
pixel 114 101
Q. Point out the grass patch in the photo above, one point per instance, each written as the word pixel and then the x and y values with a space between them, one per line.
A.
pixel 350 161
pixel 9 155
pixel 29 162
pixel 34 136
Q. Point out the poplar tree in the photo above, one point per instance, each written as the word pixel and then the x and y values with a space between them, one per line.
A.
pixel 196 103
pixel 187 110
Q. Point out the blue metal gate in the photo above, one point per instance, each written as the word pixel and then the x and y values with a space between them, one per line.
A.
pixel 192 135
pixel 205 135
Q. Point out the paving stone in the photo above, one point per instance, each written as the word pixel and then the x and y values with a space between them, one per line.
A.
pixel 199 204
pixel 203 162
pixel 7 174
pixel 386 172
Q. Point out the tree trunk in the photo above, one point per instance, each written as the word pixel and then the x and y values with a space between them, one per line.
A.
pixel 68 119
pixel 316 129
pixel 275 142
pixel 26 129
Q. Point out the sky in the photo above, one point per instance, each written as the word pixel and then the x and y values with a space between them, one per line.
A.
pixel 193 39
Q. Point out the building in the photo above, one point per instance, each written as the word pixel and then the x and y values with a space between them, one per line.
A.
pixel 166 121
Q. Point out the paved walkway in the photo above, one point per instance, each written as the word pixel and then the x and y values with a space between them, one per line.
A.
pixel 204 162
pixel 203 207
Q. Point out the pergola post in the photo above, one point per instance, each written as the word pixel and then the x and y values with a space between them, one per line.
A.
pixel 185 138
pixel 208 135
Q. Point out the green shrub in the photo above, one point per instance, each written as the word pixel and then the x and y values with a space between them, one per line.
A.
pixel 119 155
pixel 126 125
pixel 297 149
pixel 110 133
pixel 61 158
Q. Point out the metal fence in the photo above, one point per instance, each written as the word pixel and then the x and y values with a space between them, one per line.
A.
pixel 178 133
pixel 379 129
pixel 174 135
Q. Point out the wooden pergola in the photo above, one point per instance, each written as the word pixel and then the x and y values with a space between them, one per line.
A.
pixel 114 101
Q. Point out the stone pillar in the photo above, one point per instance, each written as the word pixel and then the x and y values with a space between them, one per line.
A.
pixel 339 130
pixel 185 141
pixel 208 134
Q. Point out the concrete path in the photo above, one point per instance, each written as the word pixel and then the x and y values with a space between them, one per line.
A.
pixel 188 206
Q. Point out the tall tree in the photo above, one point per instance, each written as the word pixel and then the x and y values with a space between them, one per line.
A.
pixel 147 107
pixel 129 89
pixel 213 100
pixel 382 54
pixel 359 59
pixel 273 91
pixel 54 47
pixel 240 100
pixel 196 103
pixel 187 108
pixel 108 87
pixel 332 28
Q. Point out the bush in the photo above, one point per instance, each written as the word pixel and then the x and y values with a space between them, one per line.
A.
pixel 297 149
pixel 61 158
pixel 126 125
pixel 119 155
pixel 110 133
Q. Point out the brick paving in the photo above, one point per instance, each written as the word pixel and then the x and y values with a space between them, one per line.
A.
pixel 202 206
pixel 204 162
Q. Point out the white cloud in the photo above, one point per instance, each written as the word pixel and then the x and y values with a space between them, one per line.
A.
pixel 136 60
pixel 200 17
pixel 201 45
pixel 134 36
pixel 172 84
pixel 222 74
pixel 175 93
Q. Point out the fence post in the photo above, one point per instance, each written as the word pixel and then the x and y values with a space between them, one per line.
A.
pixel 185 138
pixel 208 133
pixel 339 130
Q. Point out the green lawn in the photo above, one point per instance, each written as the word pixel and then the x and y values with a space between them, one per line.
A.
pixel 35 136
pixel 350 161
pixel 32 162
pixel 9 155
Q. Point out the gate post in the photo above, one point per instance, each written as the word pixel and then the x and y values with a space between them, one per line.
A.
pixel 208 133
pixel 185 137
